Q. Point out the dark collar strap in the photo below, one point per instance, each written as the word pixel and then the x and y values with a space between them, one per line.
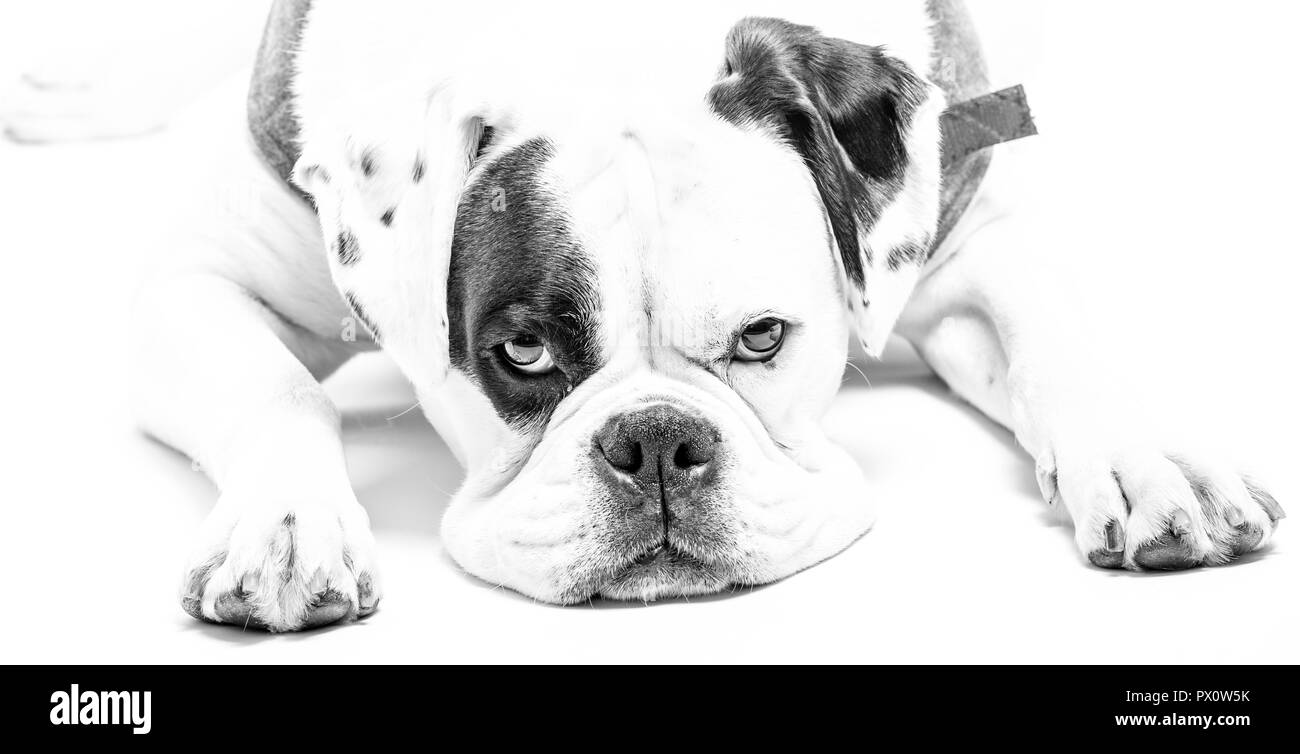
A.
pixel 984 121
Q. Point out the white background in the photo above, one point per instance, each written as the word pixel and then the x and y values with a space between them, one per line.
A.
pixel 1167 163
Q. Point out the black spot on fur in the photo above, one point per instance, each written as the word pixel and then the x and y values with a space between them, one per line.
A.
pixel 842 106
pixel 387 217
pixel 347 248
pixel 417 172
pixel 368 163
pixel 316 172
pixel 361 315
pixel 520 271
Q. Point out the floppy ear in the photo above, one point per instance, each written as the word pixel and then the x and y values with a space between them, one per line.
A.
pixel 867 127
pixel 386 195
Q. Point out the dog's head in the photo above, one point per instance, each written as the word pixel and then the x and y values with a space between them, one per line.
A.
pixel 629 331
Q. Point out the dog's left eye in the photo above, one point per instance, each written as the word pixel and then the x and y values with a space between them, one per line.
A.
pixel 528 354
pixel 761 340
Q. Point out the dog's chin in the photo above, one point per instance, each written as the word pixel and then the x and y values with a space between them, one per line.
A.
pixel 663 571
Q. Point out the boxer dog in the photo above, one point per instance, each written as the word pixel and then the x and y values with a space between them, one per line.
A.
pixel 620 256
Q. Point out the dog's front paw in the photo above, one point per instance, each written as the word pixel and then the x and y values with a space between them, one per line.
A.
pixel 283 567
pixel 1145 509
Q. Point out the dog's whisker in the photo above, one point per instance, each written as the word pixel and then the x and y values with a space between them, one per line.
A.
pixel 858 369
pixel 407 411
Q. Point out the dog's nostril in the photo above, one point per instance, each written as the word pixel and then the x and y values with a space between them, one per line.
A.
pixel 693 453
pixel 624 456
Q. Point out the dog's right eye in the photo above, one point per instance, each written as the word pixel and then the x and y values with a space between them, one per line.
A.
pixel 528 354
pixel 761 340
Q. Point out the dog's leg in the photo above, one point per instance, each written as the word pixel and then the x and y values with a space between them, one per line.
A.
pixel 995 321
pixel 223 378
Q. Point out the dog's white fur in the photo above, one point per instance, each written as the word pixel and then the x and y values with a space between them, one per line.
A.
pixel 237 329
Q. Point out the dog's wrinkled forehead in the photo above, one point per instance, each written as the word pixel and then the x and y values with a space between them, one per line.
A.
pixel 518 269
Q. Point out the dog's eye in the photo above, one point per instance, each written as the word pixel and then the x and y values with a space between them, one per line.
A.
pixel 761 340
pixel 528 354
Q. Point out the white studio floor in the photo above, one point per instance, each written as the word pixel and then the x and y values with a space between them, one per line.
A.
pixel 1177 213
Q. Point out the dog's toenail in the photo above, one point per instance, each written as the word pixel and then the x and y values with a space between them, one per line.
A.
pixel 1105 559
pixel 1045 471
pixel 1181 523
pixel 1235 519
pixel 1266 501
pixel 1114 537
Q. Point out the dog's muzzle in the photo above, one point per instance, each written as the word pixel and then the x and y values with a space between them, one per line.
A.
pixel 660 464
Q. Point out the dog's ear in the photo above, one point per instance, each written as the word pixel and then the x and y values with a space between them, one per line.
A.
pixel 867 127
pixel 386 196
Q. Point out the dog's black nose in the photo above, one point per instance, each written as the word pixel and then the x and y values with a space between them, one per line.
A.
pixel 659 446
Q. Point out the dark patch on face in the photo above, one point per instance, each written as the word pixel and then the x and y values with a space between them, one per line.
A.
pixel 516 269
pixel 908 253
pixel 387 217
pixel 361 315
pixel 347 248
pixel 368 163
pixel 842 106
pixel 417 172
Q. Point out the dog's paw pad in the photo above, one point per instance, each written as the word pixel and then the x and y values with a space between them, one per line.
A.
pixel 1247 539
pixel 234 608
pixel 1168 552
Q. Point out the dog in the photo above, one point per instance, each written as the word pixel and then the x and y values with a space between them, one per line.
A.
pixel 620 257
